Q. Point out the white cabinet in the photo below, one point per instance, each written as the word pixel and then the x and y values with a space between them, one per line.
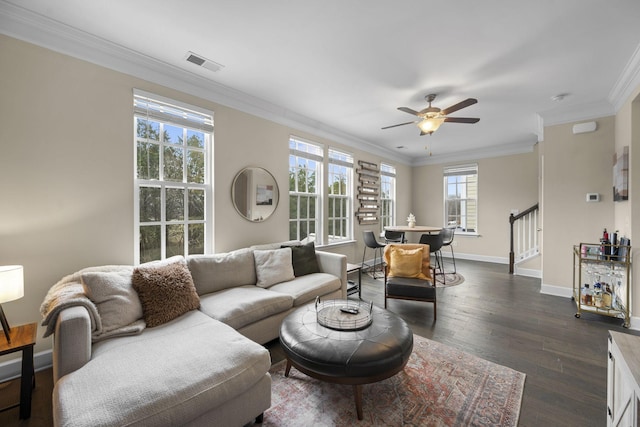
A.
pixel 623 375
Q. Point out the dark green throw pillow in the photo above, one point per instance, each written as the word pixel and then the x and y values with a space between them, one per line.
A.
pixel 304 259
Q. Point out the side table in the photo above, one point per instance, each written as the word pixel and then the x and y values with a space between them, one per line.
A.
pixel 353 288
pixel 23 338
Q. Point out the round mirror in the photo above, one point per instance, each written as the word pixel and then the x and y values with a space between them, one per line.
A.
pixel 255 194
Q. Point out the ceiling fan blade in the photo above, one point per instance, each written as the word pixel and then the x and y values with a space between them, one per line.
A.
pixel 461 120
pixel 401 124
pixel 409 110
pixel 459 106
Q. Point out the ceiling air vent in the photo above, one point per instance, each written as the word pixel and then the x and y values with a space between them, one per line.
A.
pixel 203 62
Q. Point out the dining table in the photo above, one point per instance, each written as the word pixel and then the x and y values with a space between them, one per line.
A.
pixel 414 229
pixel 405 229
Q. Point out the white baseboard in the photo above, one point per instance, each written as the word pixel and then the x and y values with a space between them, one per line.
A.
pixel 12 369
pixel 528 272
pixel 558 291
pixel 474 257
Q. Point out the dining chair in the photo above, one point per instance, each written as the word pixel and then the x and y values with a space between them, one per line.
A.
pixel 435 244
pixel 370 241
pixel 447 240
pixel 394 236
pixel 408 274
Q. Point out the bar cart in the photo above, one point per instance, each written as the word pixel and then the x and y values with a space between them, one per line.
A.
pixel 601 279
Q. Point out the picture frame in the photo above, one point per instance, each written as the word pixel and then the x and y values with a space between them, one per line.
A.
pixel 264 195
pixel 621 175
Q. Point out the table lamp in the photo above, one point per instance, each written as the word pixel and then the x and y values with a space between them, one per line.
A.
pixel 11 288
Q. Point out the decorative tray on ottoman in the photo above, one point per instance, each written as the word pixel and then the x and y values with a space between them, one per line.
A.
pixel 344 315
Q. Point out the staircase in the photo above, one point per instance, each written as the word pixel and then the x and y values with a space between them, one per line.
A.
pixel 523 236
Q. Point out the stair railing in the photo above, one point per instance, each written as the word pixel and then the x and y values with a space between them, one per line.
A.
pixel 527 235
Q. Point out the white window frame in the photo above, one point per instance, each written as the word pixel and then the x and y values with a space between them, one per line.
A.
pixel 388 189
pixel 155 108
pixel 340 166
pixel 465 178
pixel 303 152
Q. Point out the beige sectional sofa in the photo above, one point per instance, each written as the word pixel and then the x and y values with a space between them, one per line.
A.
pixel 205 367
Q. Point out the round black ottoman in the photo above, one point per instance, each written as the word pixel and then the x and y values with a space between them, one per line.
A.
pixel 364 356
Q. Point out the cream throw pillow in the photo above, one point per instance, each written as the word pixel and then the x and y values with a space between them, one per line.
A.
pixel 406 263
pixel 274 266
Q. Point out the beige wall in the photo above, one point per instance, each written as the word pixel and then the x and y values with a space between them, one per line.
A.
pixel 574 165
pixel 504 183
pixel 66 170
pixel 627 213
pixel 66 177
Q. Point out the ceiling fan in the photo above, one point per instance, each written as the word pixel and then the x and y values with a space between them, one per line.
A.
pixel 432 117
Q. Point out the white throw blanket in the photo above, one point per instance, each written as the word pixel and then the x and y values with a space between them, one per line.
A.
pixel 70 292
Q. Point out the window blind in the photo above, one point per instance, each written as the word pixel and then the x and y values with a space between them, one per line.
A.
pixel 304 149
pixel 461 170
pixel 387 170
pixel 146 107
pixel 340 158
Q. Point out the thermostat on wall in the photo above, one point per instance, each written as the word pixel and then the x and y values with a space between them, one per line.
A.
pixel 593 197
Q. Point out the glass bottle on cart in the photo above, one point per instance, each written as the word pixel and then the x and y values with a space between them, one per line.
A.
pixel 601 279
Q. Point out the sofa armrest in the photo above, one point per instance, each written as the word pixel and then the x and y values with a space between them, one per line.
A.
pixel 335 264
pixel 71 342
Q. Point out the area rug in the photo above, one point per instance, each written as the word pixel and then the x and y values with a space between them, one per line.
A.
pixel 440 386
pixel 449 279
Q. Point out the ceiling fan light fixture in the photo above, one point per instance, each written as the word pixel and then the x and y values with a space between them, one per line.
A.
pixel 431 118
pixel 430 124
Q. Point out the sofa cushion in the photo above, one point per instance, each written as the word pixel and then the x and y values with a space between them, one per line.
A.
pixel 212 273
pixel 166 291
pixel 305 288
pixel 168 375
pixel 273 266
pixel 303 258
pixel 113 294
pixel 243 305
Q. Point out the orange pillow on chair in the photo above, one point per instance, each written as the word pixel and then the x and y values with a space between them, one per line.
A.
pixel 406 263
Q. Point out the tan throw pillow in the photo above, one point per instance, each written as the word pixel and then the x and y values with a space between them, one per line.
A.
pixel 166 291
pixel 406 263
pixel 113 294
pixel 273 267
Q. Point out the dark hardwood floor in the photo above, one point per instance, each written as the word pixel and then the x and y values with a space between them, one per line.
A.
pixel 494 315
pixel 504 319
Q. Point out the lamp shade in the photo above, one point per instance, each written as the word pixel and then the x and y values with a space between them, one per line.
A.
pixel 430 124
pixel 11 283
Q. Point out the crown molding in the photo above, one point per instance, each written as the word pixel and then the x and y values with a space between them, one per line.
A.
pixel 521 147
pixel 39 30
pixel 575 113
pixel 627 83
pixel 624 87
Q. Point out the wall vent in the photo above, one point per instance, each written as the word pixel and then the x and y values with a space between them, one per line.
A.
pixel 585 127
pixel 203 62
